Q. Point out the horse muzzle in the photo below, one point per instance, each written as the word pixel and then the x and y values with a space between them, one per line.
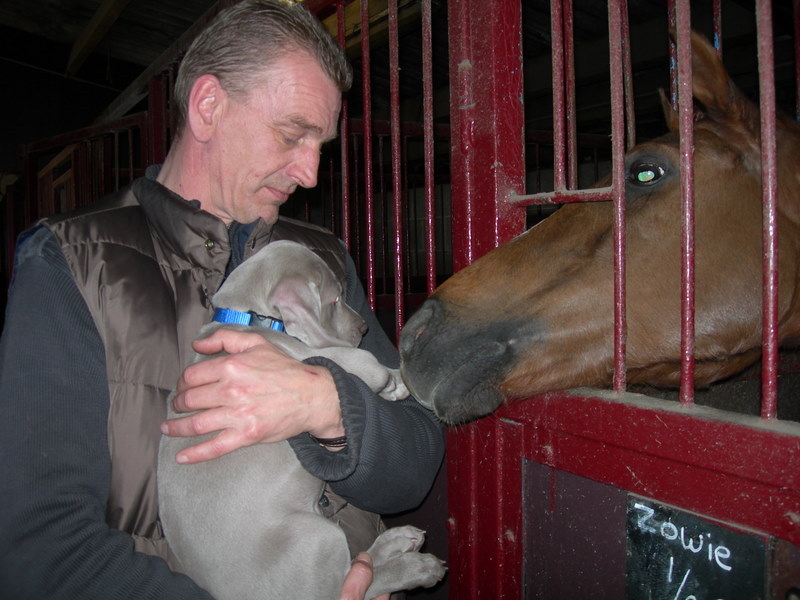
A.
pixel 453 369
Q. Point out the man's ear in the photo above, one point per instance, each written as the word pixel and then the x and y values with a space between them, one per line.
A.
pixel 206 101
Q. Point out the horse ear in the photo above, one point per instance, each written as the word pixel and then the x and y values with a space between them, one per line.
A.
pixel 670 114
pixel 715 90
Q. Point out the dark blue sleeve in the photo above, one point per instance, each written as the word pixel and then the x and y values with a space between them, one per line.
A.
pixel 55 464
pixel 394 449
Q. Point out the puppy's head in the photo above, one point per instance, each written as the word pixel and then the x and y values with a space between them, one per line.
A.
pixel 289 282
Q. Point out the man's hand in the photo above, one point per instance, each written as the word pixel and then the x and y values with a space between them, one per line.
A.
pixel 358 580
pixel 256 393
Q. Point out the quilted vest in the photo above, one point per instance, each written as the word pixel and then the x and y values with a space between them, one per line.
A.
pixel 147 263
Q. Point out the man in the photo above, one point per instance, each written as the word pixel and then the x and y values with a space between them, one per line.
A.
pixel 104 304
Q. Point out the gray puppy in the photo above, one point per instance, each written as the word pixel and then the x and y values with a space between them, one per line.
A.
pixel 247 525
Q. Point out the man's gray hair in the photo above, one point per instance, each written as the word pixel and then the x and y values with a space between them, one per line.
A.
pixel 245 39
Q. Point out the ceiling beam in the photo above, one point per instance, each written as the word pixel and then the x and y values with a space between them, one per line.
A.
pixel 106 15
pixel 138 88
pixel 408 12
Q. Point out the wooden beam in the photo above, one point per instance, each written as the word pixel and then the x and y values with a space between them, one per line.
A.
pixel 138 88
pixel 408 12
pixel 102 20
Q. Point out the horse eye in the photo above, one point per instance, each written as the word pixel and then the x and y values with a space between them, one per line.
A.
pixel 645 173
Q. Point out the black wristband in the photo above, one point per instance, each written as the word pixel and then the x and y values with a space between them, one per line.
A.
pixel 338 442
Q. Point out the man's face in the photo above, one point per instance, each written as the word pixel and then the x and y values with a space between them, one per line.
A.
pixel 269 142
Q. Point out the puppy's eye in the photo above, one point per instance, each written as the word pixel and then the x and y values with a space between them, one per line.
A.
pixel 643 173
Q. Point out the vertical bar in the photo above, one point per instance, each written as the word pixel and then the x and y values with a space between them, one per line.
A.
pixel 130 155
pixel 686 125
pixel 618 190
pixel 115 137
pixel 630 112
pixel 428 145
pixel 330 222
pixel 463 116
pixel 157 118
pixel 366 94
pixel 10 234
pixel 673 71
pixel 559 102
pixel 382 210
pixel 344 147
pixel 769 184
pixel 569 88
pixel 397 168
pixel 716 16
pixel 796 7
pixel 354 204
pixel 487 170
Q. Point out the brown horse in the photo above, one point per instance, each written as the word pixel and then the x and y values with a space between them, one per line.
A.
pixel 536 314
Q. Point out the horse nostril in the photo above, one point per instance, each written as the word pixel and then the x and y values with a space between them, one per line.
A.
pixel 418 324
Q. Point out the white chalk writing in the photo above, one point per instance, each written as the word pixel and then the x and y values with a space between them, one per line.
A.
pixel 689 541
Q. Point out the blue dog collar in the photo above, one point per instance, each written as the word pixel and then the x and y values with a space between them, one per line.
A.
pixel 228 315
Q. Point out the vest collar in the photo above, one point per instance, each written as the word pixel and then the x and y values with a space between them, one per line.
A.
pixel 189 231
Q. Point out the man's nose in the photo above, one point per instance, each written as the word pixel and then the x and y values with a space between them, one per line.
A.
pixel 305 166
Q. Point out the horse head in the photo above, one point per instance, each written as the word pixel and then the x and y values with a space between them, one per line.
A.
pixel 536 313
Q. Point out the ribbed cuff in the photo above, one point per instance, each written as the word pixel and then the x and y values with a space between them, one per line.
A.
pixel 322 463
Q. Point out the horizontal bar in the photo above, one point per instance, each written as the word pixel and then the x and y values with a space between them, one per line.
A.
pixel 602 194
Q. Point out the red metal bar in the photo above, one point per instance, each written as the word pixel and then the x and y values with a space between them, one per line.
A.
pixel 559 101
pixel 369 208
pixel 630 113
pixel 796 6
pixel 332 203
pixel 344 147
pixel 686 124
pixel 565 197
pixel 487 170
pixel 397 188
pixel 383 208
pixel 668 457
pixel 769 184
pixel 487 122
pixel 10 234
pixel 116 159
pixel 716 16
pixel 131 174
pixel 157 118
pixel 673 71
pixel 571 109
pixel 428 146
pixel 137 120
pixel 616 34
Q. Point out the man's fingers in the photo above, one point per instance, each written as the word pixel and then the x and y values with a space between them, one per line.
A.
pixel 358 579
pixel 214 447
pixel 227 340
pixel 198 423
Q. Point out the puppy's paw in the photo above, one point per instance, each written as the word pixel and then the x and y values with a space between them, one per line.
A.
pixel 405 572
pixel 430 569
pixel 396 541
pixel 395 388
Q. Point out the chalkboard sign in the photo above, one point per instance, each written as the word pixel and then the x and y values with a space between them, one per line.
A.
pixel 674 555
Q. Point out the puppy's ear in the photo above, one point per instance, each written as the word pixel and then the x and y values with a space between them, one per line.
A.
pixel 304 313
